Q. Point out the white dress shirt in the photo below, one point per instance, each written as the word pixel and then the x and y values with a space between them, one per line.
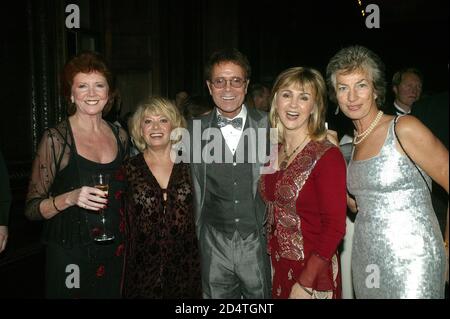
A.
pixel 232 135
pixel 399 110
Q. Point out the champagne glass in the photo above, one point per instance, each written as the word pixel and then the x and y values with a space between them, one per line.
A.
pixel 101 182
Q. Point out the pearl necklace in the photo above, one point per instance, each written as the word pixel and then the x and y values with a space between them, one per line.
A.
pixel 369 130
pixel 283 164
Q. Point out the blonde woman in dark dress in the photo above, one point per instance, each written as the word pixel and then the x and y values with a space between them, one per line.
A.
pixel 162 258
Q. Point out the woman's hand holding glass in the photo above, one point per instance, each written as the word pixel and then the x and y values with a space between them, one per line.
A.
pixel 90 198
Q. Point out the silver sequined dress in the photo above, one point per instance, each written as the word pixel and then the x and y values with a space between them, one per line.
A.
pixel 398 249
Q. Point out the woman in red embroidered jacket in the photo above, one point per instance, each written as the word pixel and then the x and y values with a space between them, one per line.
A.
pixel 306 195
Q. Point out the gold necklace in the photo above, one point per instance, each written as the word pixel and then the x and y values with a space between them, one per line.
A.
pixel 369 130
pixel 284 163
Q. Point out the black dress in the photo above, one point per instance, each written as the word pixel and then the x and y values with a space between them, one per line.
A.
pixel 162 257
pixel 76 266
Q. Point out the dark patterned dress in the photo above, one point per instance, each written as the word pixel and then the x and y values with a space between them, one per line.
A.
pixel 76 266
pixel 162 257
pixel 306 221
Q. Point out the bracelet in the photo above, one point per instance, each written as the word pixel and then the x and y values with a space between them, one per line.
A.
pixel 54 205
pixel 309 292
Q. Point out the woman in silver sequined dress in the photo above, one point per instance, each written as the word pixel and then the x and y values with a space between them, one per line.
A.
pixel 398 249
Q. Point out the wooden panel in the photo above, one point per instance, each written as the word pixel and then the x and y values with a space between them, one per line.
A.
pixel 133 87
pixel 131 52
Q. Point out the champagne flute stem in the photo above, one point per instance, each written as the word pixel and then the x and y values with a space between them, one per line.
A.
pixel 102 213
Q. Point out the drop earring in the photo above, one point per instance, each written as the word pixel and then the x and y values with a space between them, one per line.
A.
pixel 72 99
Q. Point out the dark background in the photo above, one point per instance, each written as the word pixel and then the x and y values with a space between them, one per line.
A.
pixel 159 47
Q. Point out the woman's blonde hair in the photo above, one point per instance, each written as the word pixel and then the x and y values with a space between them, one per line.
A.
pixel 302 77
pixel 154 106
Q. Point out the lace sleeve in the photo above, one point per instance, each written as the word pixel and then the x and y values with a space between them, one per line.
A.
pixel 45 165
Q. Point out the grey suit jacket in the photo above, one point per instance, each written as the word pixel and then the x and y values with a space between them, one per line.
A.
pixel 257 120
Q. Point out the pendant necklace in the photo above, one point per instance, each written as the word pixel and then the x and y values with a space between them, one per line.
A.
pixel 284 163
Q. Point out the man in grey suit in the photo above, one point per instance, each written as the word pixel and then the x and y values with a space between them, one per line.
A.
pixel 225 170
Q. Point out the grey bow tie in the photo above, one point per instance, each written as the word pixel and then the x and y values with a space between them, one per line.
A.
pixel 236 123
